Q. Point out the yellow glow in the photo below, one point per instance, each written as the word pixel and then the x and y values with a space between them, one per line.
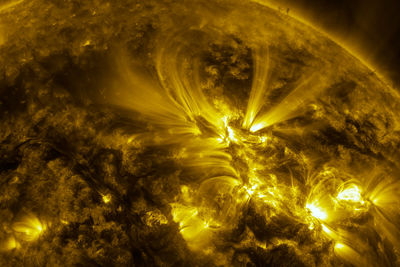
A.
pixel 9 244
pixel 262 139
pixel 331 232
pixel 326 229
pixel 192 228
pixel 178 105
pixel 305 90
pixel 339 246
pixel 231 134
pixel 29 228
pixel 350 255
pixel 106 198
pixel 9 5
pixel 228 133
pixel 351 193
pixel 316 211
pixel 225 120
pixel 254 184
pixel 155 218
pixel 384 192
pixel 12 244
pixel 261 64
pixel 251 190
pixel 258 126
pixel 184 189
pixel 186 195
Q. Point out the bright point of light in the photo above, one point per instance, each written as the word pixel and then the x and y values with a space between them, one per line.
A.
pixel 317 212
pixel 271 192
pixel 225 120
pixel 106 198
pixel 352 194
pixel 231 134
pixel 262 139
pixel 251 190
pixel 184 189
pixel 339 246
pixel 257 127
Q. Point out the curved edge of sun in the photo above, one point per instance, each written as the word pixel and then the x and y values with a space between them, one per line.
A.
pixel 339 41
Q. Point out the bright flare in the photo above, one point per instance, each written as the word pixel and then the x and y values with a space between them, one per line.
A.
pixel 106 198
pixel 317 212
pixel 351 193
pixel 258 126
pixel 339 246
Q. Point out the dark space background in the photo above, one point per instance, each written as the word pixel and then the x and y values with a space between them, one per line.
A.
pixel 371 28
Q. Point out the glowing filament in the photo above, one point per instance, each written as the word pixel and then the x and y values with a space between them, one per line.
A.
pixel 326 229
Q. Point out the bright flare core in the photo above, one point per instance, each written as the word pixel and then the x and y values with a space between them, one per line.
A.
pixel 317 212
pixel 106 198
pixel 352 193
